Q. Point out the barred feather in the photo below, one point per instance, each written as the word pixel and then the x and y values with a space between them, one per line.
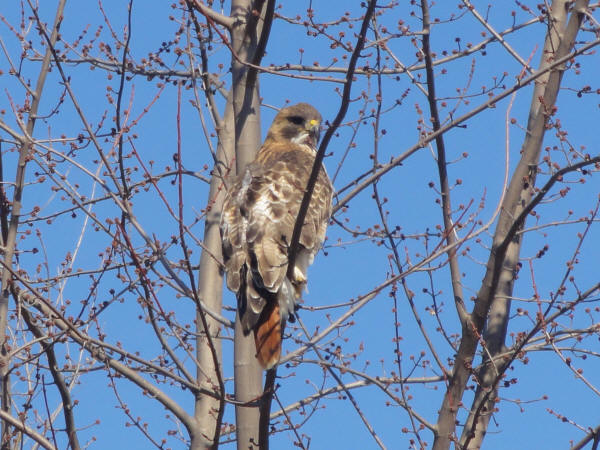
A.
pixel 257 222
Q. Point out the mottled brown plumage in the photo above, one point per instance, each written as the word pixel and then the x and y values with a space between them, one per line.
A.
pixel 258 219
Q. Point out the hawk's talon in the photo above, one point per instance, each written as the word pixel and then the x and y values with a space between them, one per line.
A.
pixel 299 277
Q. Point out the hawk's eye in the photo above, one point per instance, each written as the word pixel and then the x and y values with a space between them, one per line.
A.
pixel 297 120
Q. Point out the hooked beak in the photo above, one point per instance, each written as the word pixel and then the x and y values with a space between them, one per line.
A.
pixel 314 131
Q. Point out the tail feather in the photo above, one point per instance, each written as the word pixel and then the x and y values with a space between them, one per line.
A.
pixel 267 336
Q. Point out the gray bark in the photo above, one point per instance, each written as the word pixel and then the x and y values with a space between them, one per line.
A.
pixel 210 291
pixel 493 298
pixel 558 43
pixel 246 106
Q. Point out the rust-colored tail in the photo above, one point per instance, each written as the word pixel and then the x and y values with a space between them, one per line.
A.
pixel 267 335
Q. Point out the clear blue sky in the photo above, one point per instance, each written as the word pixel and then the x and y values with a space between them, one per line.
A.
pixel 348 270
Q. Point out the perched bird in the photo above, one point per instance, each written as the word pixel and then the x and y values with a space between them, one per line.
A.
pixel 257 222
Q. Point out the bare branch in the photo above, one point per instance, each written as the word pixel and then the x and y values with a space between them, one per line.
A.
pixel 207 11
pixel 41 440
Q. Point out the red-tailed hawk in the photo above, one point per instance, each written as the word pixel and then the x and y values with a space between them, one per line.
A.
pixel 258 219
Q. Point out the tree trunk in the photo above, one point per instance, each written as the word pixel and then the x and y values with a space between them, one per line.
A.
pixel 246 32
pixel 210 290
pixel 493 298
pixel 558 43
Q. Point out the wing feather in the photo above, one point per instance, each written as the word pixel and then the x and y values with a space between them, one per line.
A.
pixel 257 225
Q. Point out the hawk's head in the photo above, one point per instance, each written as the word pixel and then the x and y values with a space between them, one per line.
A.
pixel 297 123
